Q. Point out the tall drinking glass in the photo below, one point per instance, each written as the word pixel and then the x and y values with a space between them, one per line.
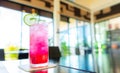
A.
pixel 38 45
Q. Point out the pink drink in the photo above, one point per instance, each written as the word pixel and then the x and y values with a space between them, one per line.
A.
pixel 38 45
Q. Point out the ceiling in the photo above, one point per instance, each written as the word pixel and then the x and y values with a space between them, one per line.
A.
pixel 95 5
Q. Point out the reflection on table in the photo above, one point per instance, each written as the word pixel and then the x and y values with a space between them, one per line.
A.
pixel 81 62
pixel 70 64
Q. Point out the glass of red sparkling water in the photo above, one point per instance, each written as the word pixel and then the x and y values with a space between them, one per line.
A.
pixel 38 53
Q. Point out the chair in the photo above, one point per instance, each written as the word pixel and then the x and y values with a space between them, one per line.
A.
pixel 54 53
pixel 2 55
pixel 22 55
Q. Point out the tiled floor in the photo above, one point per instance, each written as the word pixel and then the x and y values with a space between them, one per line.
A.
pixel 108 62
pixel 104 64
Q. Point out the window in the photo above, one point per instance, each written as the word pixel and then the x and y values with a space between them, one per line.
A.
pixel 10 27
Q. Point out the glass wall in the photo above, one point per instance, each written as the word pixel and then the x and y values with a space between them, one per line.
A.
pixel 107 34
pixel 64 38
pixel 101 36
pixel 10 27
pixel 10 30
pixel 76 35
pixel 24 44
pixel 84 36
pixel 72 35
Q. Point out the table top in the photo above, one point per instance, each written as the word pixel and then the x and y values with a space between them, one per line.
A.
pixel 62 66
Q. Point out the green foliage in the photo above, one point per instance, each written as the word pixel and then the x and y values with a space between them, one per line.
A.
pixel 96 45
pixel 103 46
pixel 65 49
